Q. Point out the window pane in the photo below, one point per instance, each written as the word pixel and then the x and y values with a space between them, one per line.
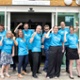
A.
pixel 1 17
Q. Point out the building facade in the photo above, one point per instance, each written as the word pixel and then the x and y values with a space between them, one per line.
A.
pixel 42 12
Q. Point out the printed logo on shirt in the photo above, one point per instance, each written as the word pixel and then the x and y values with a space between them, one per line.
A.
pixel 72 38
pixel 56 38
pixel 27 35
pixel 9 42
pixel 23 40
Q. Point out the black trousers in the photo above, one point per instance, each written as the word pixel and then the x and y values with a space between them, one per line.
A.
pixel 30 60
pixel 36 62
pixel 55 60
pixel 67 59
pixel 14 63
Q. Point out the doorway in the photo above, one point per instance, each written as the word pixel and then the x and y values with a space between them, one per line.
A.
pixel 33 19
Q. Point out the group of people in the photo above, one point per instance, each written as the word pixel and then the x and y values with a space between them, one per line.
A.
pixel 56 43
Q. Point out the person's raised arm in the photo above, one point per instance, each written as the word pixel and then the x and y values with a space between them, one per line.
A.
pixel 15 41
pixel 47 35
pixel 16 29
pixel 32 38
pixel 77 24
pixel 43 38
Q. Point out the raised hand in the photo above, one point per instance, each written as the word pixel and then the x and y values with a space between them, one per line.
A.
pixel 51 29
pixel 34 33
pixel 77 23
pixel 20 24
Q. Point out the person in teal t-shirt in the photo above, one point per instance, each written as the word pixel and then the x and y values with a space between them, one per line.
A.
pixel 36 50
pixel 7 53
pixel 22 44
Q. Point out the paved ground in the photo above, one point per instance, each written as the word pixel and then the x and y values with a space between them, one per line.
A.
pixel 64 76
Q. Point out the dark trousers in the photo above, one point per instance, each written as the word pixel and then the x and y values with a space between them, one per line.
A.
pixel 23 61
pixel 67 59
pixel 36 62
pixel 30 60
pixel 55 59
pixel 46 51
pixel 14 63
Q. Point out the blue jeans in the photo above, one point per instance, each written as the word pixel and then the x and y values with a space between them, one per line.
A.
pixel 23 61
pixel 46 51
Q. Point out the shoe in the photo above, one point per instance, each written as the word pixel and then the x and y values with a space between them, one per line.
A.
pixel 71 77
pixel 67 71
pixel 56 77
pixel 14 70
pixel 35 76
pixel 44 70
pixel 78 76
pixel 38 72
pixel 23 72
pixel 2 76
pixel 20 76
pixel 6 74
pixel 48 77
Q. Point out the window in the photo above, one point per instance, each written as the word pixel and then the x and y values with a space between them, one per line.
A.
pixel 69 20
pixel 1 17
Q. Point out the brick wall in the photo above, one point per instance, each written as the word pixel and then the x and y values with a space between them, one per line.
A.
pixel 52 2
pixel 5 2
pixel 61 3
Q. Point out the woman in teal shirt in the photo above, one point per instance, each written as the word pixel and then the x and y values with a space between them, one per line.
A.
pixel 21 42
pixel 72 40
pixel 7 53
pixel 2 35
pixel 55 53
pixel 36 49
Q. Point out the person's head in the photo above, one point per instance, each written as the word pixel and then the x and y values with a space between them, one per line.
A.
pixel 55 29
pixel 20 33
pixel 26 26
pixel 62 24
pixel 9 34
pixel 39 29
pixel 46 28
pixel 1 27
pixel 71 29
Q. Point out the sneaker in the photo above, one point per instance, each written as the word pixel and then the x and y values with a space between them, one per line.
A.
pixel 78 76
pixel 35 76
pixel 38 72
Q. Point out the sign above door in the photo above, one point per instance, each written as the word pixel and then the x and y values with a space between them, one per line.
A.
pixel 31 2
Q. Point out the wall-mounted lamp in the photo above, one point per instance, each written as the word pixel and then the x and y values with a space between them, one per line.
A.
pixel 78 2
pixel 68 2
pixel 30 10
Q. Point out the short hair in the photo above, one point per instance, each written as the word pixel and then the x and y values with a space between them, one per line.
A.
pixel 55 26
pixel 38 25
pixel 71 27
pixel 46 26
pixel 1 25
pixel 26 23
